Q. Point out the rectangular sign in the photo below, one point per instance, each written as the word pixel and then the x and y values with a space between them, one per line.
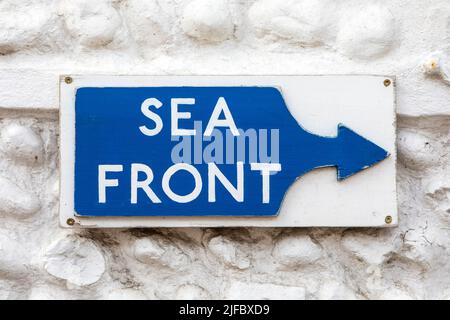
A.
pixel 148 151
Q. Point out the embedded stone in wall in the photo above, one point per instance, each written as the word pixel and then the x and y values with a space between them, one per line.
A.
pixel 306 22
pixel 366 31
pixel 424 246
pixel 208 20
pixel 14 257
pixel 263 291
pixel 191 292
pixel 15 201
pixel 92 23
pixel 292 251
pixel 437 64
pixel 146 250
pixel 146 21
pixel 20 26
pixel 373 250
pixel 415 150
pixel 75 259
pixel 21 143
pixel 437 191
pixel 228 253
pixel 155 250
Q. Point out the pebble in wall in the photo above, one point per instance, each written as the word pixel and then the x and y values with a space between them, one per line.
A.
pixel 93 23
pixel 208 21
pixel 306 22
pixel 20 27
pixel 74 259
pixel 366 38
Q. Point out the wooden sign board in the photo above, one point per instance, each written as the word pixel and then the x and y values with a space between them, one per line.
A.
pixel 269 151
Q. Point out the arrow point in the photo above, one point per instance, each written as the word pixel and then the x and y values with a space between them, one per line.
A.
pixel 358 153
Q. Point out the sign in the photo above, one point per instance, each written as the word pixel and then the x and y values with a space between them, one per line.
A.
pixel 212 149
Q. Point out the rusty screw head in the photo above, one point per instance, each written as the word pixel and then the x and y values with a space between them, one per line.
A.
pixel 70 222
pixel 68 80
pixel 387 82
pixel 388 219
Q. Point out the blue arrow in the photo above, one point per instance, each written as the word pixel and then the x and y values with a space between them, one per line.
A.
pixel 107 122
pixel 348 151
pixel 361 153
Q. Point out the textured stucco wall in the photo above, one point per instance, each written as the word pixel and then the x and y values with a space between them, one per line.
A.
pixel 39 40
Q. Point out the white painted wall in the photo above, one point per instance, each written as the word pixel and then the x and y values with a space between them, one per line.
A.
pixel 39 40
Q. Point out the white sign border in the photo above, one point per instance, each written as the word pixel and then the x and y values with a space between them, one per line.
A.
pixel 369 219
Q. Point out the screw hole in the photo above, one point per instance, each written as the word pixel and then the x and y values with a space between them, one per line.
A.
pixel 68 80
pixel 388 219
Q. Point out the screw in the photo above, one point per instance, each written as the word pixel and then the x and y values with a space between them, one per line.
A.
pixel 68 80
pixel 387 82
pixel 70 222
pixel 388 219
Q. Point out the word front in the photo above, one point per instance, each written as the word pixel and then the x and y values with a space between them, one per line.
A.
pixel 138 170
